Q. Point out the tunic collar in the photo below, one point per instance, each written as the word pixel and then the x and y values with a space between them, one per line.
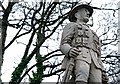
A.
pixel 82 23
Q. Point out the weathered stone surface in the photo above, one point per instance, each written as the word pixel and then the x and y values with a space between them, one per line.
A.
pixel 80 43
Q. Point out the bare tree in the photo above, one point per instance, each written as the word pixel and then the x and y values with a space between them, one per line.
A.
pixel 4 25
pixel 40 20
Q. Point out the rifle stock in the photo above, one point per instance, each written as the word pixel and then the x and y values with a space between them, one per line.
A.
pixel 68 71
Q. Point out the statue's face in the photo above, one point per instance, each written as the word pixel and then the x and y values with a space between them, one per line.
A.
pixel 83 14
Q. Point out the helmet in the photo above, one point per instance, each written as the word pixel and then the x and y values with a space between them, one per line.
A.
pixel 71 16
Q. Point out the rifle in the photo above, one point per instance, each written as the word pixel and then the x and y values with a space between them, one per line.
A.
pixel 68 71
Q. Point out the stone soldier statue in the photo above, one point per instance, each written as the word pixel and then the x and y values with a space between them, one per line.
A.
pixel 81 43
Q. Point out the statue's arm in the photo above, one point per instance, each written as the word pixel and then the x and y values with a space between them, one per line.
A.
pixel 67 37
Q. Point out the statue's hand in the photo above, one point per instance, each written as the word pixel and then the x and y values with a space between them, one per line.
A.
pixel 74 52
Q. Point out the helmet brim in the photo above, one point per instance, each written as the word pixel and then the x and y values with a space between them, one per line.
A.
pixel 71 16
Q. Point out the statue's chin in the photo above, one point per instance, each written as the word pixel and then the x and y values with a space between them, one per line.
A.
pixel 86 19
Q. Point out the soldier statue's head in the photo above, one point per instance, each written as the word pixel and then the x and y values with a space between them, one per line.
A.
pixel 80 11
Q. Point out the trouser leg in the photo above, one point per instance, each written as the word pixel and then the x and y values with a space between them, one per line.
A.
pixel 81 71
pixel 95 76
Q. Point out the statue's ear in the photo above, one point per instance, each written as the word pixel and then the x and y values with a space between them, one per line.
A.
pixel 76 15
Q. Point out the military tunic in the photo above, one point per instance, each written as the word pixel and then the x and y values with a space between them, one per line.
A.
pixel 82 37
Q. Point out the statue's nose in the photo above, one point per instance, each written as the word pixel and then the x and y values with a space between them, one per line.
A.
pixel 88 13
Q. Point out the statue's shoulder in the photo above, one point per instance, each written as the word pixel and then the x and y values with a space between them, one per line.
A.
pixel 71 25
pixel 94 33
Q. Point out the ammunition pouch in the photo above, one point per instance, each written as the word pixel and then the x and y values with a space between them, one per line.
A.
pixel 86 38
